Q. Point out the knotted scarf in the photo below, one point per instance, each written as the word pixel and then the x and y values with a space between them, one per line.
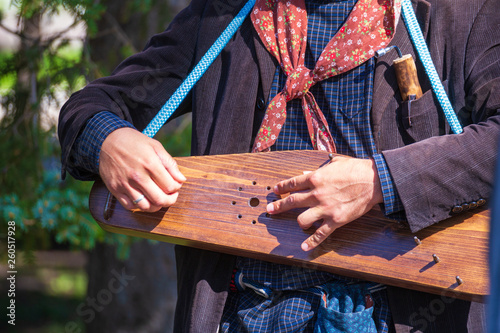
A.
pixel 282 27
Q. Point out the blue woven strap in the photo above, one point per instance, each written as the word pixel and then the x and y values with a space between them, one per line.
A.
pixel 425 57
pixel 178 96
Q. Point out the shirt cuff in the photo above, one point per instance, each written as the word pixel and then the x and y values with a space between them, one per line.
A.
pixel 87 147
pixel 392 202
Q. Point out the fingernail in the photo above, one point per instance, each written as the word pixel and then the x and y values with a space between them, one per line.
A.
pixel 305 247
pixel 182 178
pixel 276 189
pixel 270 208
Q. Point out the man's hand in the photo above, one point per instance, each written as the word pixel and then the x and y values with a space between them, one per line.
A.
pixel 132 164
pixel 337 193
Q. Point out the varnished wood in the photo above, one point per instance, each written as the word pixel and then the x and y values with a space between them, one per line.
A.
pixel 406 75
pixel 221 207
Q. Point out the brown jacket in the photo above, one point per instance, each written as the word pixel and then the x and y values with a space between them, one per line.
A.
pixel 433 171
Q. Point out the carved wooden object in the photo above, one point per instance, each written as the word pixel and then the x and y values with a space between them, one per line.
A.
pixel 221 207
pixel 406 75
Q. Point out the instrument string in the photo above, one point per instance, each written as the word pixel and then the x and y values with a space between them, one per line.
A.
pixel 243 212
pixel 351 246
pixel 280 225
pixel 216 199
pixel 370 261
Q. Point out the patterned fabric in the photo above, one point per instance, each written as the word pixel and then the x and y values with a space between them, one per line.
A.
pixel 286 310
pixel 392 203
pixel 87 147
pixel 345 308
pixel 350 123
pixel 425 58
pixel 180 93
pixel 282 27
pixel 346 100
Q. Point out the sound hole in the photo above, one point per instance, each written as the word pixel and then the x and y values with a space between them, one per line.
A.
pixel 253 202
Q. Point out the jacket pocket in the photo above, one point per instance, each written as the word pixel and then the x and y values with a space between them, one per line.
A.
pixel 422 118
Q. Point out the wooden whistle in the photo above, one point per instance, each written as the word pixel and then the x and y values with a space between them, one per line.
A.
pixel 406 73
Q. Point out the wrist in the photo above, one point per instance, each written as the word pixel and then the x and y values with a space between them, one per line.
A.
pixel 377 195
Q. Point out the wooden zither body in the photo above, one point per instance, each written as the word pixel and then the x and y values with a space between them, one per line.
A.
pixel 221 207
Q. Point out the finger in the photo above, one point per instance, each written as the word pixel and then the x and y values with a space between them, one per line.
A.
pixel 156 197
pixel 318 237
pixel 143 204
pixel 298 183
pixel 163 179
pixel 124 200
pixel 169 163
pixel 156 166
pixel 295 200
pixel 307 218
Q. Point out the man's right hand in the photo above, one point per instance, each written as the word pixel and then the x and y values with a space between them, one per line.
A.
pixel 132 164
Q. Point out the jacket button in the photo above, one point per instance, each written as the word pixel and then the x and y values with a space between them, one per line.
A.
pixel 261 104
pixel 465 207
pixel 480 202
pixel 457 209
pixel 473 205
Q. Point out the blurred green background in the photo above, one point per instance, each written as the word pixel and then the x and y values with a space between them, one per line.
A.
pixel 64 261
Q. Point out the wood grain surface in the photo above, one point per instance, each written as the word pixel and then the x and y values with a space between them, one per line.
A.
pixel 221 207
pixel 407 78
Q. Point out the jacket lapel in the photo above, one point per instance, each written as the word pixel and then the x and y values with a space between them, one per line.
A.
pixel 266 63
pixel 385 87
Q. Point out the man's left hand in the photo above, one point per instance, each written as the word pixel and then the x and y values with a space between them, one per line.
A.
pixel 337 193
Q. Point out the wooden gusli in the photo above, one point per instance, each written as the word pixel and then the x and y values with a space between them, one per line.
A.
pixel 221 207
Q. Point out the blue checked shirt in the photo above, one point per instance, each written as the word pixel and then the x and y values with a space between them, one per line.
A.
pixel 84 155
pixel 346 102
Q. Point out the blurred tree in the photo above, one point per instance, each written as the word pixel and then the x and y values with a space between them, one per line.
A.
pixel 148 304
pixel 125 26
pixel 43 207
pixel 49 211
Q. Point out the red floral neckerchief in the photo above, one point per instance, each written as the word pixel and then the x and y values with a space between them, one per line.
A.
pixel 282 27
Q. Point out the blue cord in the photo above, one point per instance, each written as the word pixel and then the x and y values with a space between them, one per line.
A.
pixel 178 96
pixel 419 42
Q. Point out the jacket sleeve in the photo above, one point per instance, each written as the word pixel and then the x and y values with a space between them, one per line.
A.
pixel 438 174
pixel 140 85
